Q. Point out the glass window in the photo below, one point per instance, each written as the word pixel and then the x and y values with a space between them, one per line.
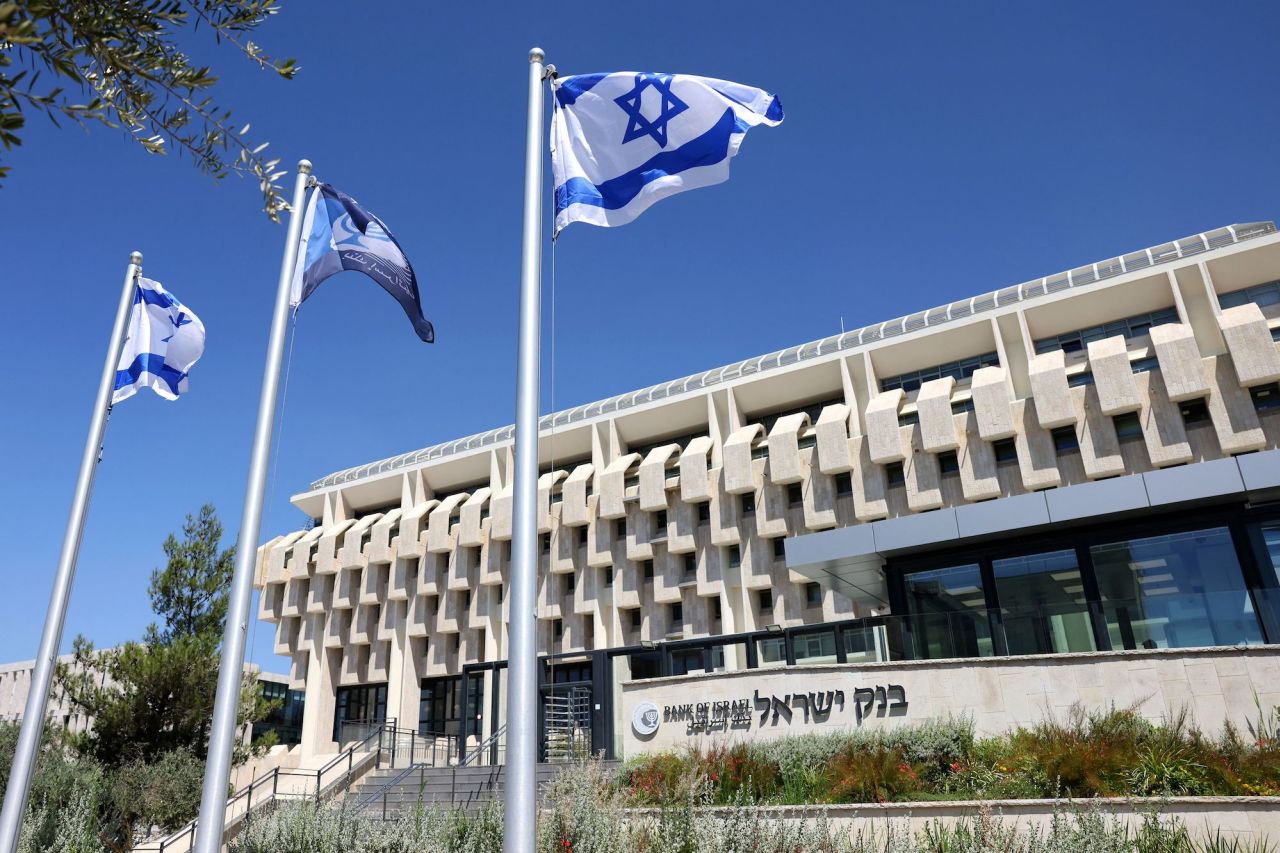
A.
pixel 357 709
pixel 873 643
pixel 687 660
pixel 819 647
pixel 1175 591
pixel 771 651
pixel 948 613
pixel 1042 604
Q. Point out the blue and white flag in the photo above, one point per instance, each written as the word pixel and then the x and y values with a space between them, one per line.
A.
pixel 338 234
pixel 622 141
pixel 164 340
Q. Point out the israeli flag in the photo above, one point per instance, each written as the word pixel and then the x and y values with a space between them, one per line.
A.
pixel 338 234
pixel 164 340
pixel 622 141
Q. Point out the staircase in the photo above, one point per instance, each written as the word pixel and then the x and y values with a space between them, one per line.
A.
pixel 388 794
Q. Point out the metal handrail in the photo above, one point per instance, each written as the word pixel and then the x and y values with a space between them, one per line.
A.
pixel 273 777
pixel 490 741
pixel 387 786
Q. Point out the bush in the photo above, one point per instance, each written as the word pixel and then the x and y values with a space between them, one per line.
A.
pixel 1114 753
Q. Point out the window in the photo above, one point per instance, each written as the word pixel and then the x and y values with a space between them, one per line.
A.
pixel 636 619
pixel 608 575
pixel 795 495
pixel 748 502
pixel 716 611
pixel 546 543
pixel 1065 440
pixel 620 528
pixel 1128 426
pixel 466 599
pixel 960 370
pixel 1078 380
pixel 962 406
pixel 690 567
pixel 1006 451
pixel 1130 327
pixel 1175 591
pixel 675 613
pixel 735 556
pixel 948 613
pixel 647 566
pixel 779 548
pixel 570 582
pixel 357 709
pixel 844 484
pixel 948 462
pixel 440 705
pixel 1194 412
pixel 502 592
pixel 582 536
pixel 457 642
pixel 660 523
pixel 893 472
pixel 557 628
pixel 1266 397
pixel 909 419
pixel 818 647
pixel 813 595
pixel 1042 604
pixel 704 512
pixel 1145 365
pixel 1261 294
pixel 765 599
pixel 771 652
pixel 686 660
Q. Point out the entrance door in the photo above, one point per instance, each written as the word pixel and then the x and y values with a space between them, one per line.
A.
pixel 567 711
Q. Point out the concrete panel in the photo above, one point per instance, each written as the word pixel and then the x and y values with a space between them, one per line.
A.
pixel 1037 458
pixel 1235 421
pixel 653 477
pixel 869 483
pixel 573 507
pixel 1113 376
pixel 738 476
pixel 991 402
pixel 1193 482
pixel 695 480
pixel 1119 494
pixel 832 430
pixel 1004 514
pixel 1096 433
pixel 914 531
pixel 1162 428
pixel 883 442
pixel 1248 338
pixel 784 449
pixel 937 422
pixel 1179 357
pixel 1048 376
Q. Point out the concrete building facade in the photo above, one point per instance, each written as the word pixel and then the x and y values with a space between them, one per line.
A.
pixel 1083 465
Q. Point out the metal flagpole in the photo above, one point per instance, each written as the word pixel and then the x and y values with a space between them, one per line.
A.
pixel 24 758
pixel 222 737
pixel 521 805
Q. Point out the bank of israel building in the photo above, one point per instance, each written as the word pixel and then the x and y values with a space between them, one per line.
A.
pixel 1059 492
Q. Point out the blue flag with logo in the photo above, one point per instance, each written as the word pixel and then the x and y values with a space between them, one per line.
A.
pixel 338 234
pixel 622 141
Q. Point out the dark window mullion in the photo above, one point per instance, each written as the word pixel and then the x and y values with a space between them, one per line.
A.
pixel 995 620
pixel 1093 597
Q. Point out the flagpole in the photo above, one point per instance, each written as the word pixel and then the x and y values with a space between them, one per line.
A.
pixel 520 822
pixel 222 736
pixel 33 718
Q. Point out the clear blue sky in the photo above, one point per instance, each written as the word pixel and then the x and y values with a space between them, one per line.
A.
pixel 930 152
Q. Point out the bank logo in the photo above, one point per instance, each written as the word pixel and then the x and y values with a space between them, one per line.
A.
pixel 646 718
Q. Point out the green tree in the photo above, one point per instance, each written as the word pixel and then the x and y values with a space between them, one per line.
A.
pixel 190 594
pixel 118 64
pixel 151 703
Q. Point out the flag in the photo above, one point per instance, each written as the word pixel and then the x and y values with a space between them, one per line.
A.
pixel 338 234
pixel 164 340
pixel 622 141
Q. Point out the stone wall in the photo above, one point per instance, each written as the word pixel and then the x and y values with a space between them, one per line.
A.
pixel 1211 685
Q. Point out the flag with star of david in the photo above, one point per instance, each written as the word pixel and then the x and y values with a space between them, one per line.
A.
pixel 165 338
pixel 338 234
pixel 622 141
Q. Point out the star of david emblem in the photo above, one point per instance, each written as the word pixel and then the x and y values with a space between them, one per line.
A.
pixel 638 124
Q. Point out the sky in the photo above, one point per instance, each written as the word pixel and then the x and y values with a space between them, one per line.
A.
pixel 930 152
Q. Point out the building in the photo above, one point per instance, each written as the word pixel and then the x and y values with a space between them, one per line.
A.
pixel 15 687
pixel 1057 492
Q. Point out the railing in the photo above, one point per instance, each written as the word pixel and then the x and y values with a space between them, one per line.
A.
pixel 284 784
